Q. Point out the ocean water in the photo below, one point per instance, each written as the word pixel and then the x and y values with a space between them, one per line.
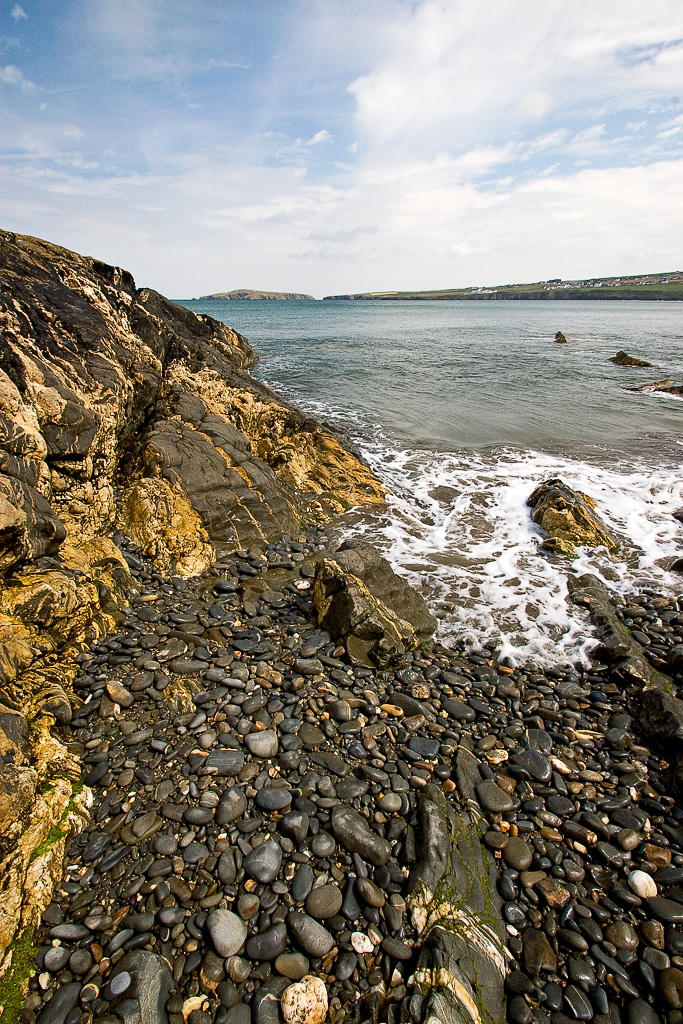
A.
pixel 461 409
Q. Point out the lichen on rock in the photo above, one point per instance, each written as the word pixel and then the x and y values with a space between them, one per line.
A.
pixel 569 519
pixel 118 410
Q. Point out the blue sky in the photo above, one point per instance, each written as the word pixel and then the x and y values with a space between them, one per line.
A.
pixel 333 145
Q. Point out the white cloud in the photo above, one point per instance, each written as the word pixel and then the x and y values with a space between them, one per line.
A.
pixel 234 219
pixel 10 74
pixel 18 12
pixel 451 74
pixel 462 128
pixel 322 136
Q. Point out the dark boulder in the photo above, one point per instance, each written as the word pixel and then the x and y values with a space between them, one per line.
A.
pixel 363 603
pixel 624 359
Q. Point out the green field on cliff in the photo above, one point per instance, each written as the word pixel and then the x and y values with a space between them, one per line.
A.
pixel 666 286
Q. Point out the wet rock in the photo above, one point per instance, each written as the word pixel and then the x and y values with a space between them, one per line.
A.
pixel 263 862
pixel 538 953
pixel 353 832
pixel 312 937
pixel 493 798
pixel 568 518
pixel 151 984
pixel 624 359
pixel 462 965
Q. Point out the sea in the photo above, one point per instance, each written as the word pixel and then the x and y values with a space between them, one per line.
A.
pixel 462 409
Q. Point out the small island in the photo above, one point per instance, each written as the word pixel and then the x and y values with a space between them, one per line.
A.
pixel 250 293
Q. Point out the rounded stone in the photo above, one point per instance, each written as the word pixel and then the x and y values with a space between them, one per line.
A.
pixel 117 985
pixel 273 799
pixel 305 1002
pixel 262 744
pixel 493 798
pixel 671 987
pixel 228 932
pixel 80 961
pixel 640 1012
pixel 324 902
pixel 56 958
pixel 517 853
pixel 292 965
pixel 362 943
pixel 307 933
pixel 390 802
pixel 269 944
pixel 622 935
pixel 642 884
pixel 370 892
pixel 232 805
pixel 262 863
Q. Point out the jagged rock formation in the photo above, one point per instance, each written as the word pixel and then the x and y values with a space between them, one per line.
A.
pixel 624 359
pixel 118 409
pixel 560 338
pixel 568 518
pixel 362 602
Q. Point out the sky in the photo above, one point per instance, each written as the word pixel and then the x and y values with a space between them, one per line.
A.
pixel 329 146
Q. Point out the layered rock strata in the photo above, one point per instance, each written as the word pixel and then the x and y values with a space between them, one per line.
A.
pixel 118 410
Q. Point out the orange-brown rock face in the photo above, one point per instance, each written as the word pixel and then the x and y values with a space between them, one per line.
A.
pixel 118 410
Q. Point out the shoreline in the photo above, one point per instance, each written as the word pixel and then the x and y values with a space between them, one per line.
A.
pixel 276 818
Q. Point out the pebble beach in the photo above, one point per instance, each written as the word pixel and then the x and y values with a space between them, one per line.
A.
pixel 255 817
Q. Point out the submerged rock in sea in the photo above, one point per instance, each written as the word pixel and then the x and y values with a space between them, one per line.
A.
pixel 569 519
pixel 361 601
pixel 624 359
pixel 560 338
pixel 667 387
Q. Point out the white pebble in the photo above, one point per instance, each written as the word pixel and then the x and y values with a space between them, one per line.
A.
pixel 642 884
pixel 305 1002
pixel 361 943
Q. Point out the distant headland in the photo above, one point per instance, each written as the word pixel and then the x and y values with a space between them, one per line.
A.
pixel 250 293
pixel 644 286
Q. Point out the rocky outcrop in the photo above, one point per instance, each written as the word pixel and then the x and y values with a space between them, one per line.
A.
pixel 667 387
pixel 618 648
pixel 569 519
pixel 361 601
pixel 658 711
pixel 560 338
pixel 624 359
pixel 118 410
pixel 456 912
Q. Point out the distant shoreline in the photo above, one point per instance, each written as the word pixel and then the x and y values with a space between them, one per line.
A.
pixel 666 286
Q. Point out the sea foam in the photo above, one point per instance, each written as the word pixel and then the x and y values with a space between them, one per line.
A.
pixel 458 528
pixel 457 525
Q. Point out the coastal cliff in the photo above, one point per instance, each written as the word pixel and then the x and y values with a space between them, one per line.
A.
pixel 239 781
pixel 119 411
